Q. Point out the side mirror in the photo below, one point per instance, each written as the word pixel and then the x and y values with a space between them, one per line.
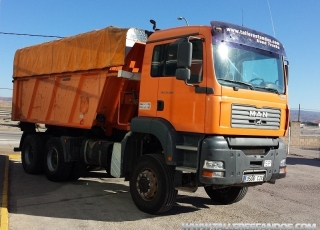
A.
pixel 184 58
pixel 286 69
pixel 184 54
pixel 183 74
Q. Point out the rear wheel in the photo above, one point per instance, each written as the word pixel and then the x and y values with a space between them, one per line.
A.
pixel 32 153
pixel 151 184
pixel 56 168
pixel 227 195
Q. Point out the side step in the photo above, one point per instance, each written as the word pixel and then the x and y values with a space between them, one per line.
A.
pixel 187 169
pixel 182 172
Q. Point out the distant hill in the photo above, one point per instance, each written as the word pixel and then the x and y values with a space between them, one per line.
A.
pixel 4 99
pixel 305 116
pixel 5 103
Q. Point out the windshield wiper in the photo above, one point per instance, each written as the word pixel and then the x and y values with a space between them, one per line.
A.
pixel 268 89
pixel 238 82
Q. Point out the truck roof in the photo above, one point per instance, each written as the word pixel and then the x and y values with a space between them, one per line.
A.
pixel 174 33
pixel 92 50
pixel 224 32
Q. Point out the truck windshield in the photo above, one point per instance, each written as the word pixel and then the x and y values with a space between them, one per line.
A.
pixel 247 67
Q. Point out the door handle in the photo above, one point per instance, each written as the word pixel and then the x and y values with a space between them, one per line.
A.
pixel 160 105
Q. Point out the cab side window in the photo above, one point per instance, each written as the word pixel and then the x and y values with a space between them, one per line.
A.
pixel 164 61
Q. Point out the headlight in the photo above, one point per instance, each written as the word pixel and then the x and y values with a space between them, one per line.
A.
pixel 283 163
pixel 213 165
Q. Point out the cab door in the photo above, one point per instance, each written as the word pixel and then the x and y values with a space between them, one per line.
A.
pixel 179 102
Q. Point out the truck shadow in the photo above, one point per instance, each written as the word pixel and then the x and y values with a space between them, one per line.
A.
pixel 186 204
pixel 99 198
pixel 303 161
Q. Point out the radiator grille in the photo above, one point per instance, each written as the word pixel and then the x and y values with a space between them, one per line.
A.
pixel 244 116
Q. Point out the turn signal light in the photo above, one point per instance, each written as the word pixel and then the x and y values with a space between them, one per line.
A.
pixel 283 170
pixel 206 173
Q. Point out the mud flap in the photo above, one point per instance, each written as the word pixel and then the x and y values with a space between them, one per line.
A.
pixel 116 160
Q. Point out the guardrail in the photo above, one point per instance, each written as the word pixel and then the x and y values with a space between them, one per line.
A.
pixel 5 113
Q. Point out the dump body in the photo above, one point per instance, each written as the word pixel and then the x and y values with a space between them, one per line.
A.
pixel 68 82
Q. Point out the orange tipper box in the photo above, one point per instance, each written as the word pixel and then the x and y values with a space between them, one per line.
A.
pixel 67 82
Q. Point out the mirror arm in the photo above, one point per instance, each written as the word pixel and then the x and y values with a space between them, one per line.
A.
pixel 188 84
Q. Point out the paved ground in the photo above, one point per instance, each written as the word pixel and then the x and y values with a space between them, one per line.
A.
pixel 310 131
pixel 92 203
pixel 8 140
pixel 305 153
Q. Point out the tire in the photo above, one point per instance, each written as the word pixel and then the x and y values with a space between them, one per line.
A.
pixel 56 169
pixel 78 170
pixel 32 153
pixel 227 195
pixel 151 184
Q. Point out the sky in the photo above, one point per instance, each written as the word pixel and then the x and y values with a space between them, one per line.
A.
pixel 293 22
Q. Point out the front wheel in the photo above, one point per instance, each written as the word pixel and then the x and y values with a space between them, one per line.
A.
pixel 227 195
pixel 56 168
pixel 151 184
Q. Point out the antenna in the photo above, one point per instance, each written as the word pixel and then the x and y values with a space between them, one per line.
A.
pixel 274 32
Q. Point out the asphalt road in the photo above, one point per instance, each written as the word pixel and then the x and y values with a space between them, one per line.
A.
pixel 9 140
pixel 12 136
pixel 92 203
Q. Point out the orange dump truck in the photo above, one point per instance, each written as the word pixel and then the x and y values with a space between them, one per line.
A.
pixel 174 109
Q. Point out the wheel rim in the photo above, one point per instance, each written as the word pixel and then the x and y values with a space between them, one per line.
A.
pixel 52 159
pixel 29 155
pixel 147 184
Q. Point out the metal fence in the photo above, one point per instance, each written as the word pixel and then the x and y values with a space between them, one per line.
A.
pixel 5 113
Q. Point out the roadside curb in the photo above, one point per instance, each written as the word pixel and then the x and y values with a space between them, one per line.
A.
pixel 14 156
pixel 4 198
pixel 4 221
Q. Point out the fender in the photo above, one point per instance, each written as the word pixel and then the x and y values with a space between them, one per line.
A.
pixel 160 128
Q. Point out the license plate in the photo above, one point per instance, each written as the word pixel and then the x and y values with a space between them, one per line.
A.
pixel 253 178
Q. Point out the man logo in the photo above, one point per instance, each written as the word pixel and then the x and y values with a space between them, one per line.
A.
pixel 258 122
pixel 258 114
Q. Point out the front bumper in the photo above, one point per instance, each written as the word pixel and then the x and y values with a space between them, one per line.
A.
pixel 237 164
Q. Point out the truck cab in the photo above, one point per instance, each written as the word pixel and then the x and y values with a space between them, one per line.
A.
pixel 216 99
